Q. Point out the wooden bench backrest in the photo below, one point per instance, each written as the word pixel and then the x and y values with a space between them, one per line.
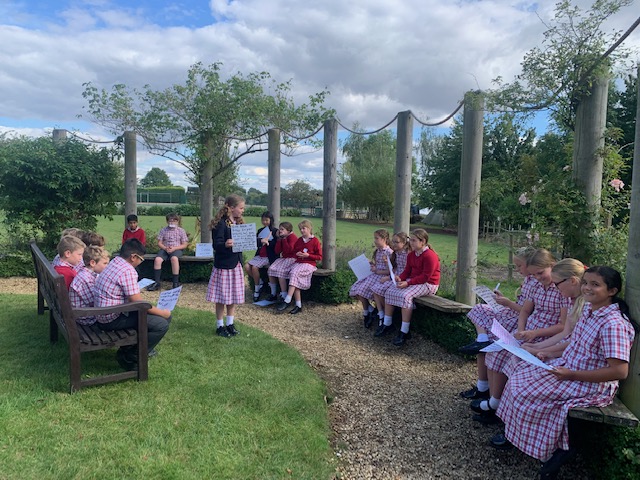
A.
pixel 55 293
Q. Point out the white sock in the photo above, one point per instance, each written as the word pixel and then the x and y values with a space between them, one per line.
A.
pixel 482 385
pixel 258 287
pixel 299 303
pixel 229 320
pixel 370 309
pixel 287 299
pixel 220 323
pixel 494 403
pixel 482 337
pixel 405 327
pixel 273 287
pixel 283 294
pixel 365 313
pixel 388 320
pixel 484 405
pixel 381 315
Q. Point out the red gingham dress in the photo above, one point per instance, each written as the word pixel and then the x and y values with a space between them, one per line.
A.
pixel 226 286
pixel 483 315
pixel 535 404
pixel 403 297
pixel 547 304
pixel 281 267
pixel 259 262
pixel 300 275
pixel 401 263
pixel 363 287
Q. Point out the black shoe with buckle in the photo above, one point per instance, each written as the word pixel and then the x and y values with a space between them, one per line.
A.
pixel 401 339
pixel 153 287
pixel 368 320
pixel 222 332
pixel 256 296
pixel 295 310
pixel 474 348
pixel 231 330
pixel 500 442
pixel 473 394
pixel 383 330
pixel 282 306
pixel 551 467
pixel 272 298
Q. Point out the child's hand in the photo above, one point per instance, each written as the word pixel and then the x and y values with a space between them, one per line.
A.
pixel 498 294
pixel 164 313
pixel 302 254
pixel 562 373
pixel 402 284
pixel 526 335
pixel 372 267
pixel 502 300
pixel 229 243
pixel 265 241
pixel 530 347
pixel 384 279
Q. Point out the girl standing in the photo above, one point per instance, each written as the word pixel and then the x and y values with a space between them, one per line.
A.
pixel 362 288
pixel 420 277
pixel 280 267
pixel 226 285
pixel 266 253
pixel 537 401
pixel 308 251
pixel 401 248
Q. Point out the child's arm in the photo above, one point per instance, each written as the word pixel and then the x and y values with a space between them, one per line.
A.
pixel 525 311
pixel 552 340
pixel 506 302
pixel 137 297
pixel 529 335
pixel 615 370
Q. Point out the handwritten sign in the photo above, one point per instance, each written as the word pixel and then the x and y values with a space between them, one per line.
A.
pixel 169 298
pixel 360 266
pixel 204 250
pixel 244 237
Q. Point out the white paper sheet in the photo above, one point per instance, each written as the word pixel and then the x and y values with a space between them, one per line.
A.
pixel 486 294
pixel 264 303
pixel 244 237
pixel 265 233
pixel 145 282
pixel 494 347
pixel 508 342
pixel 360 266
pixel 204 250
pixel 393 277
pixel 169 298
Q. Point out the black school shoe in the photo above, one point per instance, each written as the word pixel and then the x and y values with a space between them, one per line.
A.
pixel 551 467
pixel 282 306
pixel 368 320
pixel 383 330
pixel 295 310
pixel 475 394
pixel 231 330
pixel 153 287
pixel 500 442
pixel 222 332
pixel 401 339
pixel 474 348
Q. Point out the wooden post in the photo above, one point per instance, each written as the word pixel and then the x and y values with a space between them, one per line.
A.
pixel 329 196
pixel 630 388
pixel 59 135
pixel 591 118
pixel 273 193
pixel 404 143
pixel 469 203
pixel 130 175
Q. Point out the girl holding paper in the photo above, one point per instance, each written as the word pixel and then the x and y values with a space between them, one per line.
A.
pixel 401 248
pixel 226 285
pixel 536 401
pixel 379 268
pixel 266 253
pixel 420 277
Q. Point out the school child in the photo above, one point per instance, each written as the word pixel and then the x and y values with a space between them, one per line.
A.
pixel 279 269
pixel 308 251
pixel 482 316
pixel 226 285
pixel 536 401
pixel 420 277
pixel 266 253
pixel 566 275
pixel 74 232
pixel 92 238
pixel 81 291
pixel 172 239
pixel 133 230
pixel 401 248
pixel 118 284
pixel 362 288
pixel 542 315
pixel 70 251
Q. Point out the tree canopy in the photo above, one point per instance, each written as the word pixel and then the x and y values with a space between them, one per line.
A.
pixel 156 177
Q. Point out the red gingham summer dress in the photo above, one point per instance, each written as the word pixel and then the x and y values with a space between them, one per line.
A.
pixel 381 288
pixel 363 287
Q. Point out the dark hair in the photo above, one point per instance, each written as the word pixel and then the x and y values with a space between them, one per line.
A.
pixel 131 246
pixel 383 234
pixel 269 215
pixel 132 218
pixel 613 279
pixel 287 226
pixel 92 238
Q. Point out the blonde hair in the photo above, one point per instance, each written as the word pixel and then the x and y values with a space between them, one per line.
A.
pixel 69 243
pixel 95 253
pixel 566 269
pixel 541 258
pixel 525 253
pixel 230 202
pixel 306 223
pixel 74 232
pixel 421 234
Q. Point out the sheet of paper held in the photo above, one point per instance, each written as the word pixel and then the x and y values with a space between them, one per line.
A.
pixel 508 342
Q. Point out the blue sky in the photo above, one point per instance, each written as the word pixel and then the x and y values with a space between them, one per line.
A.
pixel 376 57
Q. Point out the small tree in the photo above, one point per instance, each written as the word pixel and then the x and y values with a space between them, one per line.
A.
pixel 156 177
pixel 48 186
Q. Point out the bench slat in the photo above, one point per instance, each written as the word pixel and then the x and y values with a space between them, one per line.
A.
pixel 442 304
pixel 615 414
pixel 184 258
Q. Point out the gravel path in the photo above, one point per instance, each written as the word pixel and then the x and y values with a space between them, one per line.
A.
pixel 395 413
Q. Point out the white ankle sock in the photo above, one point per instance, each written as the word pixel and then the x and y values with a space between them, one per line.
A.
pixel 494 403
pixel 287 299
pixel 365 313
pixel 482 337
pixel 388 320
pixel 370 309
pixel 273 288
pixel 405 327
pixel 219 323
pixel 482 385
pixel 229 320
pixel 299 303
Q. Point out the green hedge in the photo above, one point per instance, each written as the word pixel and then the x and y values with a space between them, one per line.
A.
pixel 190 272
pixel 16 265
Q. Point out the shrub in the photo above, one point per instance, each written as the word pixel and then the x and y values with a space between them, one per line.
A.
pixel 333 289
pixel 17 264
pixel 188 210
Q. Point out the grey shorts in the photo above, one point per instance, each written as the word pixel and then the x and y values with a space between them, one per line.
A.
pixel 164 255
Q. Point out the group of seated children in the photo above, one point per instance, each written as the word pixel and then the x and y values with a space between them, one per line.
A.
pixel 415 273
pixel 93 281
pixel 569 316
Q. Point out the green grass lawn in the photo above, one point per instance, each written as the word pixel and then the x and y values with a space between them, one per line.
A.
pixel 213 408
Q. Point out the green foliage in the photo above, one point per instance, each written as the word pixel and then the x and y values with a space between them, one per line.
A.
pixel 619 446
pixel 16 265
pixel 255 197
pixel 300 194
pixel 190 272
pixel 448 330
pixel 156 177
pixel 364 180
pixel 166 194
pixel 335 288
pixel 48 186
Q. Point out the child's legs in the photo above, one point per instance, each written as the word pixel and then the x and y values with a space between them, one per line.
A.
pixel 157 263
pixel 231 310
pixel 388 309
pixel 406 314
pixel 483 374
pixel 283 284
pixel 175 265
pixel 297 295
pixel 291 291
pixel 364 302
pixel 497 381
pixel 220 311
pixel 379 299
pixel 247 268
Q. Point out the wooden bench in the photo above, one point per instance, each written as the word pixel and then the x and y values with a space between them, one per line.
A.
pixel 442 304
pixel 615 414
pixel 182 259
pixel 80 338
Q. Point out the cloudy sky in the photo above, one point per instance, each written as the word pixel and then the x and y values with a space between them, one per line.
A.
pixel 376 57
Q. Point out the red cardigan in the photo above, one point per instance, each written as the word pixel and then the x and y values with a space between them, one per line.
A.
pixel 423 268
pixel 312 247
pixel 285 246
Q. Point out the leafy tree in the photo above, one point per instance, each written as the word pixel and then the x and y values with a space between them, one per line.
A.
pixel 300 194
pixel 255 197
pixel 366 179
pixel 207 124
pixel 48 186
pixel 156 177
